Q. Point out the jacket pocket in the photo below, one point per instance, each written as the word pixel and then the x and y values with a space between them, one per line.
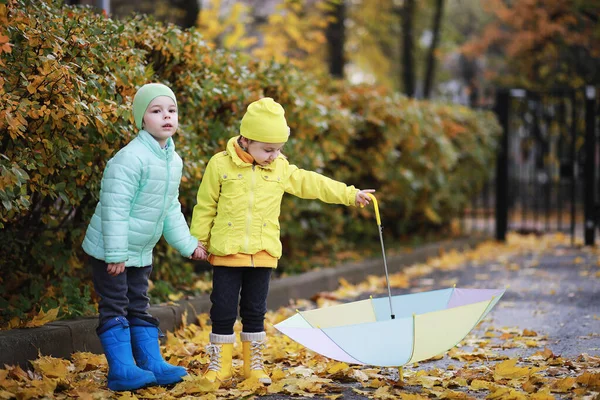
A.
pixel 221 238
pixel 270 237
pixel 234 191
pixel 269 194
pixel 272 181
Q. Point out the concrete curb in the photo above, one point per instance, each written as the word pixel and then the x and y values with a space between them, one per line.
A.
pixel 62 338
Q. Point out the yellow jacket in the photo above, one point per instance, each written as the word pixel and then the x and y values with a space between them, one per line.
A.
pixel 238 203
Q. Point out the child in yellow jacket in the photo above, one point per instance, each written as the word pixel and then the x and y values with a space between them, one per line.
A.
pixel 237 218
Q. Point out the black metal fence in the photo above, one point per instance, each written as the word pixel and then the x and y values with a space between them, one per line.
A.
pixel 548 166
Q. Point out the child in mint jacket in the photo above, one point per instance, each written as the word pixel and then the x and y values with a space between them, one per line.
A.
pixel 138 204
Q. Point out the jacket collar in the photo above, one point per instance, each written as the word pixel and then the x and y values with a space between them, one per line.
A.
pixel 153 145
pixel 238 161
pixel 242 154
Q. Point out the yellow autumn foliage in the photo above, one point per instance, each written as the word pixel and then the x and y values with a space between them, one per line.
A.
pixel 65 109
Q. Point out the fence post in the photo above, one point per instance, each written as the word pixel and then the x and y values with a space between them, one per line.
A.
pixel 590 166
pixel 501 109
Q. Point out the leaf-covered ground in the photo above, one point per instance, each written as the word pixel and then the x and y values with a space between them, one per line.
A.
pixel 515 361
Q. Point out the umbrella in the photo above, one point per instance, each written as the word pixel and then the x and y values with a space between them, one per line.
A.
pixel 391 331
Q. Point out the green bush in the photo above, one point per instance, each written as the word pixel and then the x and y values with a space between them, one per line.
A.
pixel 65 102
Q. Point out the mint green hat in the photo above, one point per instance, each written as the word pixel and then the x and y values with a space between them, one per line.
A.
pixel 144 97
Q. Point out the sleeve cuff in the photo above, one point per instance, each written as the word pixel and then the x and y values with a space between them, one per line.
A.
pixel 115 257
pixel 190 248
pixel 352 191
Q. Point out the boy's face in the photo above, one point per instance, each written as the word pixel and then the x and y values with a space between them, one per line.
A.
pixel 161 119
pixel 263 153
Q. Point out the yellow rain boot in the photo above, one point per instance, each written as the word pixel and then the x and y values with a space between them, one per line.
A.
pixel 252 347
pixel 220 350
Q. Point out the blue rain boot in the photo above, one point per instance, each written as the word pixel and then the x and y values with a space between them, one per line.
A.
pixel 146 350
pixel 123 374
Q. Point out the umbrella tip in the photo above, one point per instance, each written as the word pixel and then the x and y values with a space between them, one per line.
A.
pixel 454 286
pixel 297 310
pixel 507 286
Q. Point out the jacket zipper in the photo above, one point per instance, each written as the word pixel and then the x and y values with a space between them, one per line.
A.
pixel 249 213
pixel 161 213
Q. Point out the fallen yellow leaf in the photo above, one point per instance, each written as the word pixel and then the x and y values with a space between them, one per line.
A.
pixel 376 383
pixel 276 387
pixel 532 343
pixel 411 396
pixel 478 384
pixel 502 393
pixel 337 367
pixel 384 393
pixel 175 296
pixel 543 394
pixel 428 381
pixel 30 393
pixel 14 323
pixel 85 361
pixel 5 395
pixel 252 384
pixel 542 355
pixel 52 367
pixel 589 379
pixel 43 318
pixel 508 370
pixel 563 385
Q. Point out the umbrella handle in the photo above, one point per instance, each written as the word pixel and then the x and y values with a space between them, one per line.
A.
pixel 376 207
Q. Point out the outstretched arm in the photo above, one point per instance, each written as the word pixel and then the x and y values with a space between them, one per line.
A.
pixel 312 185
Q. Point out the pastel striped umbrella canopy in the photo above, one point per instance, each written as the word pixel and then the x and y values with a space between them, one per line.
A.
pixel 426 324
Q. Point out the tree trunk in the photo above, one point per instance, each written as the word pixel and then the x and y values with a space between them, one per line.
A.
pixel 336 38
pixel 408 59
pixel 469 72
pixel 430 68
pixel 191 8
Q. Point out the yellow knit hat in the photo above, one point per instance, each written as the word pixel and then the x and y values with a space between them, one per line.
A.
pixel 265 122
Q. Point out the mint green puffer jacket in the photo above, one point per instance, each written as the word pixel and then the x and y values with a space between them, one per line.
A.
pixel 139 202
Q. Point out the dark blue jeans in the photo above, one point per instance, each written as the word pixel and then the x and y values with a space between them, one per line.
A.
pixel 124 295
pixel 249 286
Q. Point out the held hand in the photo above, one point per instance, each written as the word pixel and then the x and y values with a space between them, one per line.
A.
pixel 115 269
pixel 200 253
pixel 362 198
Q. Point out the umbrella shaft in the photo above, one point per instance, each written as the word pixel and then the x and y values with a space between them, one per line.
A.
pixel 387 278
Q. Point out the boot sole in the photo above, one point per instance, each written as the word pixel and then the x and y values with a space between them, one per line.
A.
pixel 170 380
pixel 119 386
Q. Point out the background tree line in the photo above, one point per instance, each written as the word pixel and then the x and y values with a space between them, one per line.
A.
pixel 456 50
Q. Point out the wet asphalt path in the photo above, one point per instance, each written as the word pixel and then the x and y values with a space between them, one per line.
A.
pixel 555 294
